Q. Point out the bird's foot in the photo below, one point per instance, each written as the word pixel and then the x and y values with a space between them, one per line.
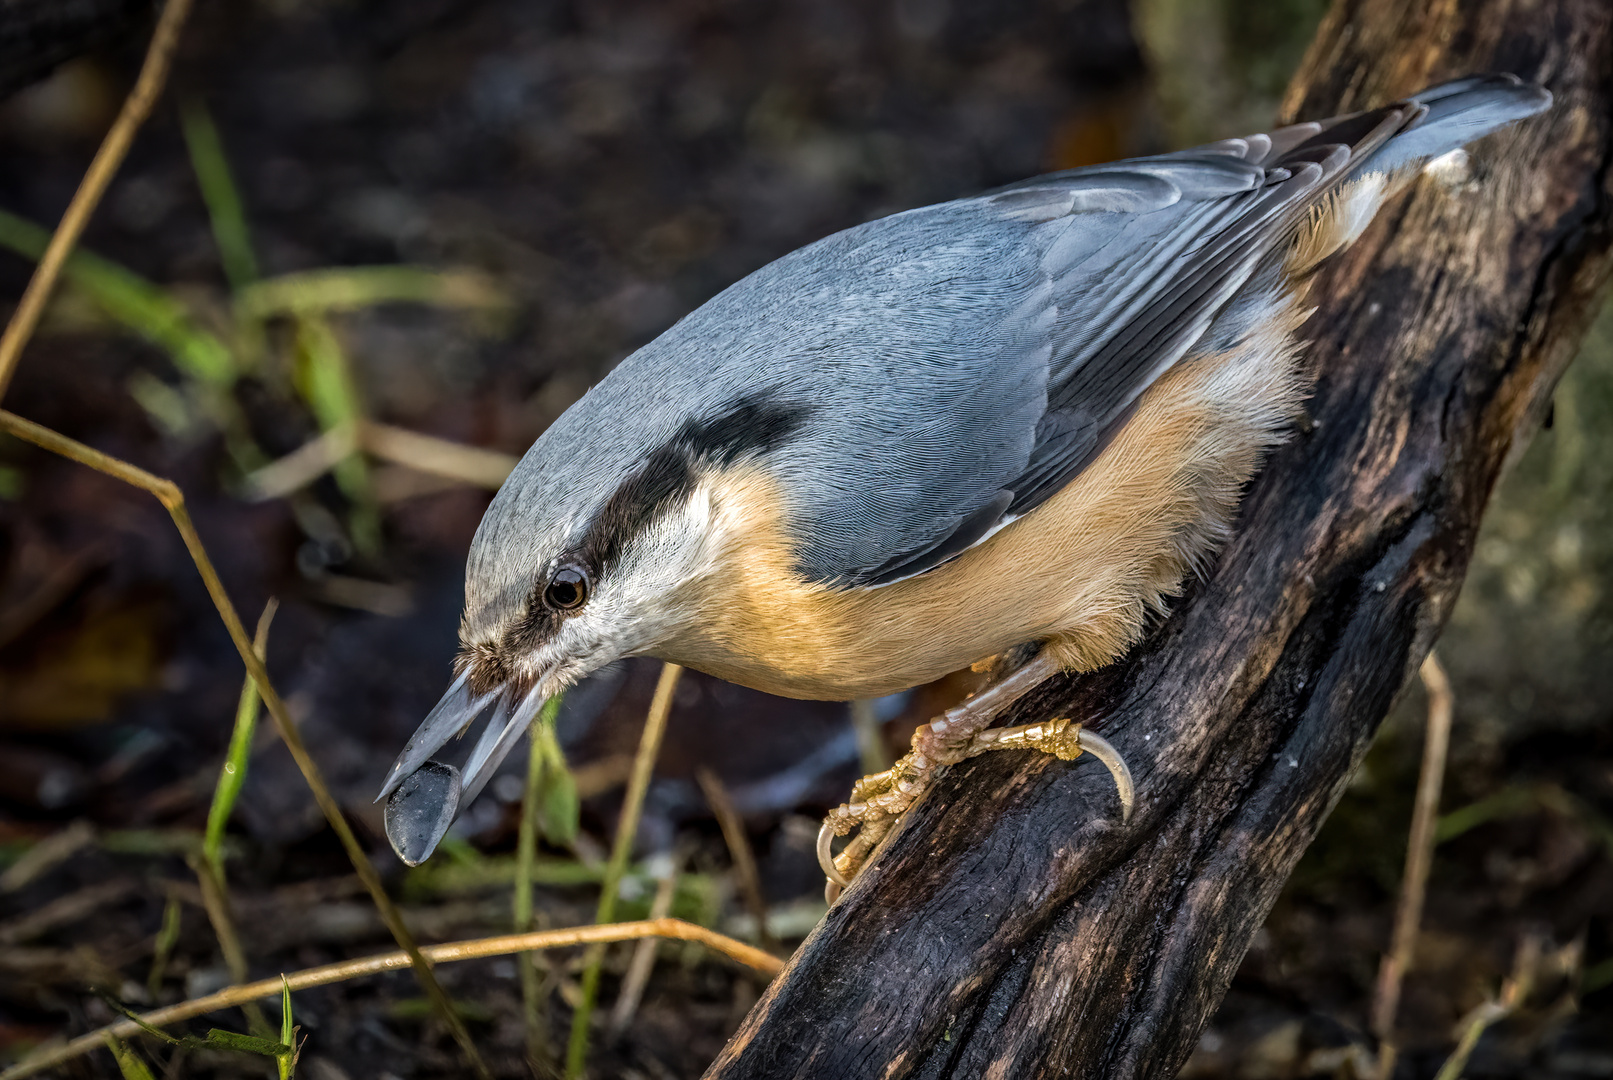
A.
pixel 878 801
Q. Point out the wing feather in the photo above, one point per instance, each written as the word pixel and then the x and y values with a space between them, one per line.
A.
pixel 1136 259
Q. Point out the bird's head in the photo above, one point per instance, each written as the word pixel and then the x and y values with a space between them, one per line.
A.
pixel 613 534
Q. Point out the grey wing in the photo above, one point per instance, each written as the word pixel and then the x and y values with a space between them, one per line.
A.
pixel 1131 263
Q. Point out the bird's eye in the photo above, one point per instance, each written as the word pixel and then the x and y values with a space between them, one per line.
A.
pixel 567 590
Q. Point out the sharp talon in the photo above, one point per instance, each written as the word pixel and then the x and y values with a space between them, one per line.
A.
pixel 826 860
pixel 1104 751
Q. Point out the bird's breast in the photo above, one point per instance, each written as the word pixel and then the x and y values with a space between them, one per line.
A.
pixel 1084 571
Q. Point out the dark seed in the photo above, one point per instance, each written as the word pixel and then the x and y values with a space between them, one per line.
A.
pixel 419 812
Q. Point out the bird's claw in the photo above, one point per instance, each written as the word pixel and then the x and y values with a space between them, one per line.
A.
pixel 879 801
pixel 1066 740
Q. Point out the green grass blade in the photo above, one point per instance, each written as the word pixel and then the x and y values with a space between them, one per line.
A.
pixel 325 381
pixel 324 292
pixel 527 841
pixel 538 763
pixel 130 299
pixel 167 938
pixel 323 377
pixel 452 878
pixel 418 1008
pixel 155 1032
pixel 150 842
pixel 626 830
pixel 286 1062
pixel 220 194
pixel 129 1062
pixel 244 1044
pixel 168 406
pixel 233 775
pixel 559 808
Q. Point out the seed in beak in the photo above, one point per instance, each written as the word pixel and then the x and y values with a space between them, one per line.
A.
pixel 419 812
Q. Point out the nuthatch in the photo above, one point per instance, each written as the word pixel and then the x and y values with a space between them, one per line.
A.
pixel 1018 418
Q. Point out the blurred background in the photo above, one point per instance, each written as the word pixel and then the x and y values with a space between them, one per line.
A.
pixel 349 221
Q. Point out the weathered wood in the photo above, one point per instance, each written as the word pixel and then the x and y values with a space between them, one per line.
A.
pixel 1013 927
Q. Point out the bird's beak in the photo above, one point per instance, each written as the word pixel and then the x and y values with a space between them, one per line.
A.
pixel 425 795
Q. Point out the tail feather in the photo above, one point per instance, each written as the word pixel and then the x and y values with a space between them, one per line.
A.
pixel 1456 114
pixel 1426 126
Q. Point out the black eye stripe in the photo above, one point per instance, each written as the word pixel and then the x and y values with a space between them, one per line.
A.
pixel 669 474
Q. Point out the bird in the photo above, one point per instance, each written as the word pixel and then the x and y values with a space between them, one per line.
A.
pixel 1008 425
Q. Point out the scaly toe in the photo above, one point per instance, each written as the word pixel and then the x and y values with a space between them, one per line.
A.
pixel 1066 741
pixel 840 869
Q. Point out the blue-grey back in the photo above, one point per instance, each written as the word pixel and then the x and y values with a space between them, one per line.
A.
pixel 948 368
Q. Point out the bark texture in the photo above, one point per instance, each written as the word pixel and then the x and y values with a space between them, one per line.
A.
pixel 1013 927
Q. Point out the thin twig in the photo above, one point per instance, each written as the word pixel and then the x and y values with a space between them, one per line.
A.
pixel 168 493
pixel 136 107
pixel 649 748
pixel 474 949
pixel 1419 856
pixel 739 851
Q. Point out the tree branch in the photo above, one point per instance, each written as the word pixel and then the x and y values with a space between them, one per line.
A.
pixel 1013 927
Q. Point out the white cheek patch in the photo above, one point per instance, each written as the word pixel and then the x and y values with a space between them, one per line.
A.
pixel 632 605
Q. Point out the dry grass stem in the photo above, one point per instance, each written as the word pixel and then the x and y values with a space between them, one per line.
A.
pixel 739 851
pixel 479 948
pixel 533 995
pixel 47 593
pixel 876 757
pixel 46 854
pixel 643 962
pixel 427 454
pixel 302 466
pixel 649 748
pixel 71 908
pixel 350 288
pixel 136 107
pixel 168 493
pixel 1478 1020
pixel 216 902
pixel 472 465
pixel 1419 857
